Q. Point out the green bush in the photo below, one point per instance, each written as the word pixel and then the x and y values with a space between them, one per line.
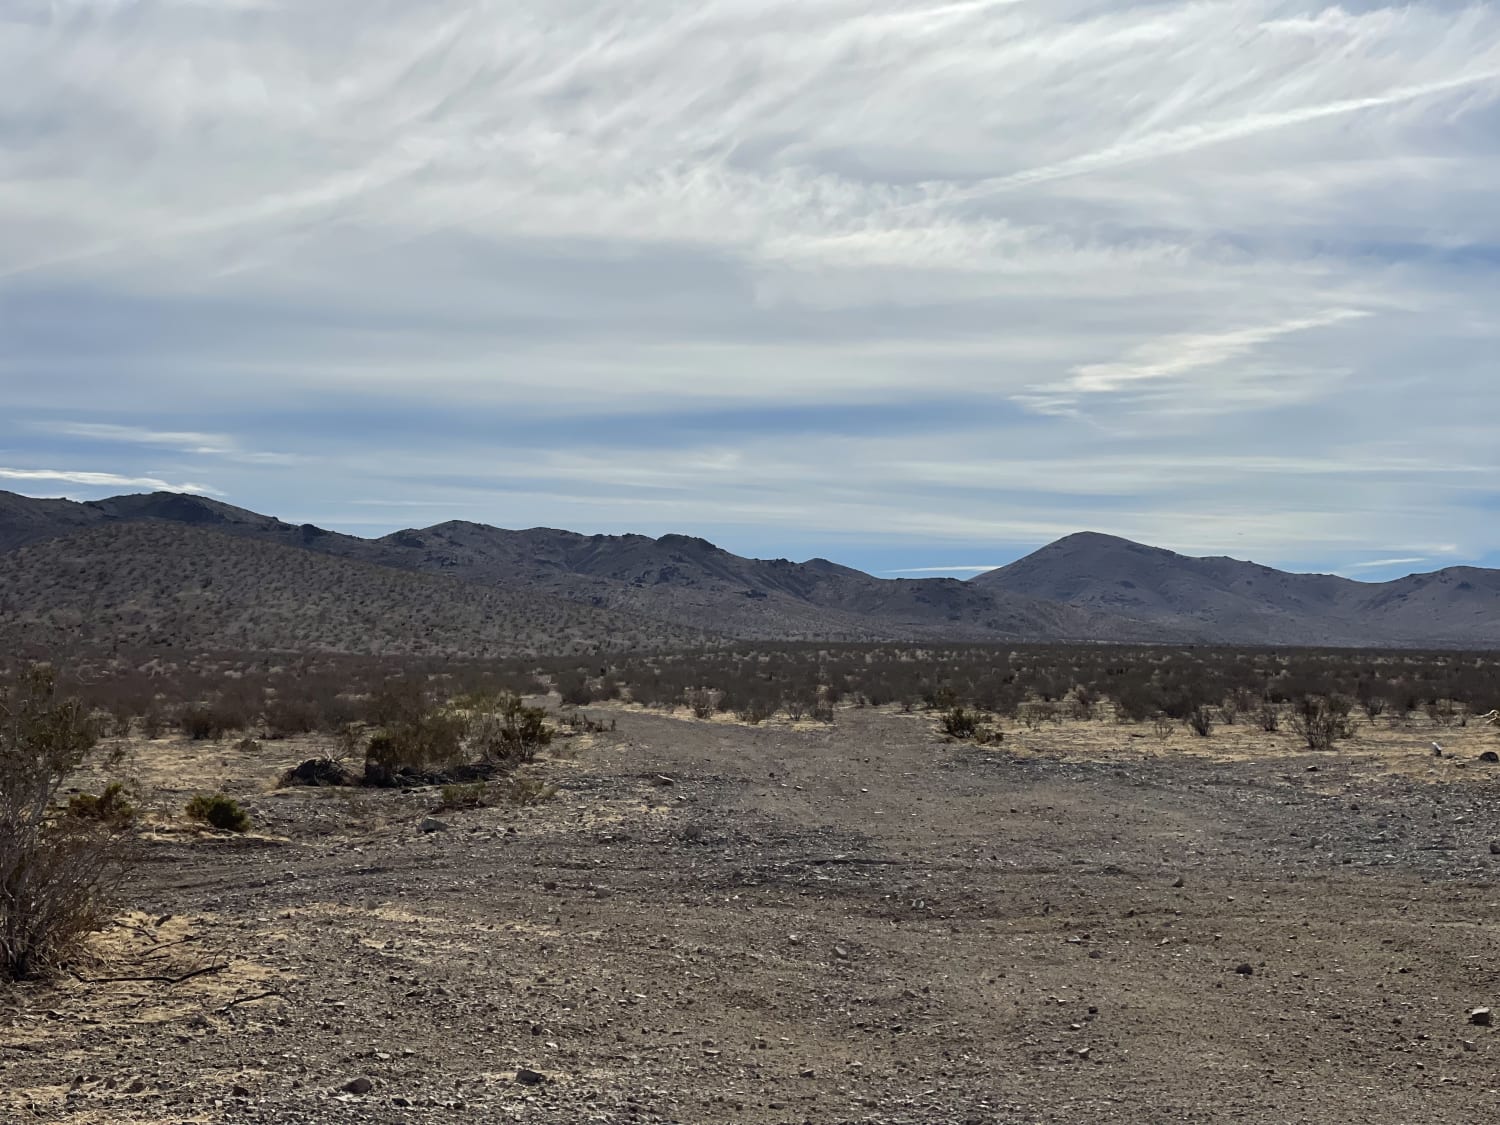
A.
pixel 219 810
pixel 109 807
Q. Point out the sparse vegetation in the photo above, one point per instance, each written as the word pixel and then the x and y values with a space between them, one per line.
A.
pixel 111 806
pixel 1320 721
pixel 57 874
pixel 219 810
pixel 968 726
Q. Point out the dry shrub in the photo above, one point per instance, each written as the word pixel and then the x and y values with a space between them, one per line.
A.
pixel 110 807
pixel 57 873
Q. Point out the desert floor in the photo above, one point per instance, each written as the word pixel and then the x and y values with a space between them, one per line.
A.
pixel 861 922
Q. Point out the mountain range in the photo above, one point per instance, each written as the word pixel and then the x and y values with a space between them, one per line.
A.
pixel 168 568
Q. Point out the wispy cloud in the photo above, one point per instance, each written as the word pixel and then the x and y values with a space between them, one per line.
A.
pixel 184 441
pixel 944 569
pixel 1375 564
pixel 103 480
pixel 964 275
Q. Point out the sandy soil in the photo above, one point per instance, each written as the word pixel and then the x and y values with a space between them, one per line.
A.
pixel 856 923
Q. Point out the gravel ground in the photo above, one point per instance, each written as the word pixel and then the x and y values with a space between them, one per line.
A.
pixel 776 924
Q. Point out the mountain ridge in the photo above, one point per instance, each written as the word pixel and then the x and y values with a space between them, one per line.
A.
pixel 1087 586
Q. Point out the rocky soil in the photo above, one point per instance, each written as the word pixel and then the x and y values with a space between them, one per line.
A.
pixel 776 924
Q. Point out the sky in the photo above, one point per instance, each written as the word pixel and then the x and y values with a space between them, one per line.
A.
pixel 916 286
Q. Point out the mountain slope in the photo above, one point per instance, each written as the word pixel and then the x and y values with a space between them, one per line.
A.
pixel 1083 587
pixel 177 585
pixel 676 578
pixel 1244 602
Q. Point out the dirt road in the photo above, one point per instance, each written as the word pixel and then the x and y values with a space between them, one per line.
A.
pixel 856 923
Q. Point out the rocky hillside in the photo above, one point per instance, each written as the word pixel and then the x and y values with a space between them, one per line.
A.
pixel 661 591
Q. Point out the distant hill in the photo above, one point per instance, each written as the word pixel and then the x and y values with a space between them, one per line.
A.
pixel 137 585
pixel 663 592
pixel 1244 602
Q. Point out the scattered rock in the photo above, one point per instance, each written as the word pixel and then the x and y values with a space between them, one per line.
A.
pixel 1245 969
pixel 139 1085
pixel 528 1077
pixel 433 824
pixel 1495 847
pixel 239 1092
pixel 1179 882
pixel 357 1086
pixel 1481 1017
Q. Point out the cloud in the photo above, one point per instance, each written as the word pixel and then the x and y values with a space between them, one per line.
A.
pixel 944 569
pixel 962 275
pixel 1377 563
pixel 103 480
pixel 186 442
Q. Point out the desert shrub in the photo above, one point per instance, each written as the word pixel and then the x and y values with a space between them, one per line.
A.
pixel 57 874
pixel 219 810
pixel 1320 721
pixel 703 702
pixel 475 795
pixel 153 722
pixel 1034 712
pixel 285 717
pixel 200 723
pixel 1268 717
pixel 504 728
pixel 429 741
pixel 574 690
pixel 1200 720
pixel 755 710
pixel 1163 725
pixel 528 791
pixel 961 723
pixel 823 711
pixel 110 807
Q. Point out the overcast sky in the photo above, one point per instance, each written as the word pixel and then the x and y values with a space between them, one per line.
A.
pixel 907 284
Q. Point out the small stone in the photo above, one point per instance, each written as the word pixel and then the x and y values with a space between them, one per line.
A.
pixel 358 1086
pixel 138 1085
pixel 1489 756
pixel 1179 882
pixel 841 953
pixel 1481 1017
pixel 1245 969
pixel 1495 847
pixel 239 1092
pixel 528 1077
pixel 432 824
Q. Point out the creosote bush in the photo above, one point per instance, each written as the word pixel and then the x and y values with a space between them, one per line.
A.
pixel 1321 721
pixel 110 807
pixel 968 726
pixel 219 810
pixel 57 873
